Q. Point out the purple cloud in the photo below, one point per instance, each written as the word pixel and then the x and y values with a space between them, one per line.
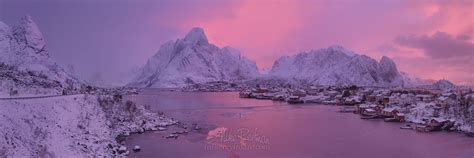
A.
pixel 439 45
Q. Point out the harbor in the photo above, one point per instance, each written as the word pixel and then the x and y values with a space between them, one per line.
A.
pixel 293 130
pixel 428 110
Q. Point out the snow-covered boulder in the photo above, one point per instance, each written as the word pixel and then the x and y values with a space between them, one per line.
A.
pixel 193 60
pixel 336 65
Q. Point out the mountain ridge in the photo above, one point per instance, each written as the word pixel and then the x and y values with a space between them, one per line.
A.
pixel 193 60
pixel 337 65
pixel 25 63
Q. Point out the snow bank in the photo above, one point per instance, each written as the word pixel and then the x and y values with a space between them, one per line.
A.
pixel 70 126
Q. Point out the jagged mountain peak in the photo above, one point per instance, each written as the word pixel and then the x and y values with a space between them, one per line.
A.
pixel 196 35
pixel 28 34
pixel 24 57
pixel 387 60
pixel 194 60
pixel 341 49
pixel 388 70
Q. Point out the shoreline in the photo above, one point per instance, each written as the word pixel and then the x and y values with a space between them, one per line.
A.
pixel 81 125
pixel 386 107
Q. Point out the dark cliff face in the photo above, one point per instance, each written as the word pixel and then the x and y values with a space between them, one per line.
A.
pixel 388 69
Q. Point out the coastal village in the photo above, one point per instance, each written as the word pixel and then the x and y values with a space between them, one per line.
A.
pixel 426 110
pixel 423 109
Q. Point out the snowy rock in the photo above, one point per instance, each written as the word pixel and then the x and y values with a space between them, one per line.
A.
pixel 122 149
pixel 337 66
pixel 136 148
pixel 175 136
pixel 161 128
pixel 28 33
pixel 193 60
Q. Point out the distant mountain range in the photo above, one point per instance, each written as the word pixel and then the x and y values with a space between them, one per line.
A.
pixel 25 64
pixel 194 60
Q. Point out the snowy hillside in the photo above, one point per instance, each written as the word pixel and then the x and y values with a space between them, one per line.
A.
pixel 413 81
pixel 71 126
pixel 194 60
pixel 337 66
pixel 26 67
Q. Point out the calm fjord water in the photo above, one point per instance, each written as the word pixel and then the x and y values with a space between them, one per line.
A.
pixel 249 128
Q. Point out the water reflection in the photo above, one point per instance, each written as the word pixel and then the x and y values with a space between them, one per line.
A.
pixel 288 131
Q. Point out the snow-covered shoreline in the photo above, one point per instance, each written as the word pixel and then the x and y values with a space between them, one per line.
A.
pixel 72 126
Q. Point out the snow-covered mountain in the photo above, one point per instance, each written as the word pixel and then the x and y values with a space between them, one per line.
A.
pixel 444 85
pixel 413 81
pixel 193 60
pixel 25 64
pixel 336 65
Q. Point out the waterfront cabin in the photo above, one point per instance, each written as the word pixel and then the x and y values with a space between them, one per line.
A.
pixel 361 107
pixel 436 122
pixel 378 108
pixel 353 100
pixel 400 117
pixel 390 112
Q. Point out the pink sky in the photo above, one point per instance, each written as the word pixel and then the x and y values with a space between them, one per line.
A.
pixel 267 29
pixel 428 39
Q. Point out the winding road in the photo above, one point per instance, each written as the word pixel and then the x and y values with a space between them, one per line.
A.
pixel 36 97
